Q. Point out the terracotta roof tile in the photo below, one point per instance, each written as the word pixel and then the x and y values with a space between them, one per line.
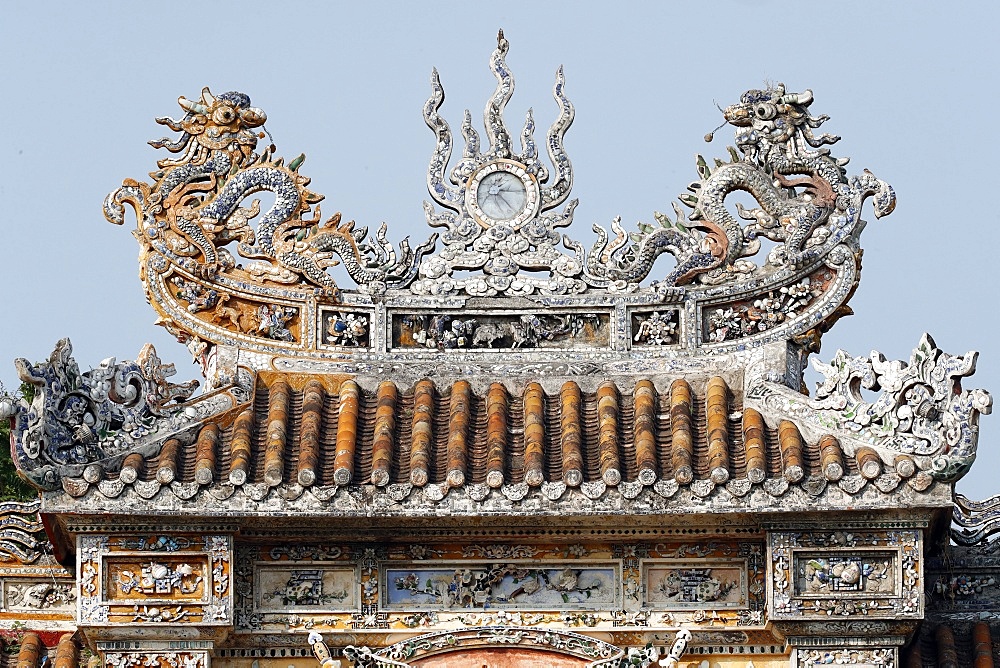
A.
pixel 952 645
pixel 982 646
pixel 67 653
pixel 302 432
pixel 33 651
pixel 309 433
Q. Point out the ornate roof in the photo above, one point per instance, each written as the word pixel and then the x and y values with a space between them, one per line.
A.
pixel 560 449
pixel 503 302
pixel 220 272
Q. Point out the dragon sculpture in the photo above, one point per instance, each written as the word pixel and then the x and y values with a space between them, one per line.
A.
pixel 784 166
pixel 194 207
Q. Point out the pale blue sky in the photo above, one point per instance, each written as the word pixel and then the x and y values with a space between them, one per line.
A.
pixel 912 88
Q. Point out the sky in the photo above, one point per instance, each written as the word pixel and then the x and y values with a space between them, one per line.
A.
pixel 911 87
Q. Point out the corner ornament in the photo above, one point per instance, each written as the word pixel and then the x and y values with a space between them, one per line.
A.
pixel 920 409
pixel 76 418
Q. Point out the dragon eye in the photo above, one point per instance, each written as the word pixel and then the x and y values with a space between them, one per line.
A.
pixel 224 115
pixel 766 111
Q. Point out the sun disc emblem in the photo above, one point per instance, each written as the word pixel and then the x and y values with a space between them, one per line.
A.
pixel 502 192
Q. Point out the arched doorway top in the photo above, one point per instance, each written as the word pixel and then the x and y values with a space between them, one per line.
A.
pixel 495 647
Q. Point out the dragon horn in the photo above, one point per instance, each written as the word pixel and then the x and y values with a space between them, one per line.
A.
pixel 253 116
pixel 192 107
pixel 207 97
pixel 804 98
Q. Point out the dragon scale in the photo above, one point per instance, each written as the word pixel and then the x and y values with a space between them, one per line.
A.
pixel 739 176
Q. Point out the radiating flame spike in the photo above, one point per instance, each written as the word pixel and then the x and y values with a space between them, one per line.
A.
pixel 616 226
pixel 493 114
pixel 703 169
pixel 560 188
pixel 470 135
pixel 437 187
pixel 529 151
pixel 681 216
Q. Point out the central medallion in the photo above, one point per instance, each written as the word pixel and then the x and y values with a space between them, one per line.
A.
pixel 502 192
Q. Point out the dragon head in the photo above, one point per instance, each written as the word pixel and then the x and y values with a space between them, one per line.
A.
pixel 773 117
pixel 758 107
pixel 223 122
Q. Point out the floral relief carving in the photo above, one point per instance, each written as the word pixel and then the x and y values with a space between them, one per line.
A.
pixel 46 595
pixel 846 574
pixel 860 573
pixel 159 579
pixel 745 318
pixel 848 658
pixel 154 659
pixel 658 328
pixel 342 328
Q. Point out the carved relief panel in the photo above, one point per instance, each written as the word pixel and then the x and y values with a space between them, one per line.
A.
pixel 386 587
pixel 846 574
pixel 42 594
pixel 156 654
pixel 155 579
pixel 147 659
pixel 484 329
pixel 881 657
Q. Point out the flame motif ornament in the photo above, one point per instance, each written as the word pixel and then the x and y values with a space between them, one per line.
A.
pixel 500 206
